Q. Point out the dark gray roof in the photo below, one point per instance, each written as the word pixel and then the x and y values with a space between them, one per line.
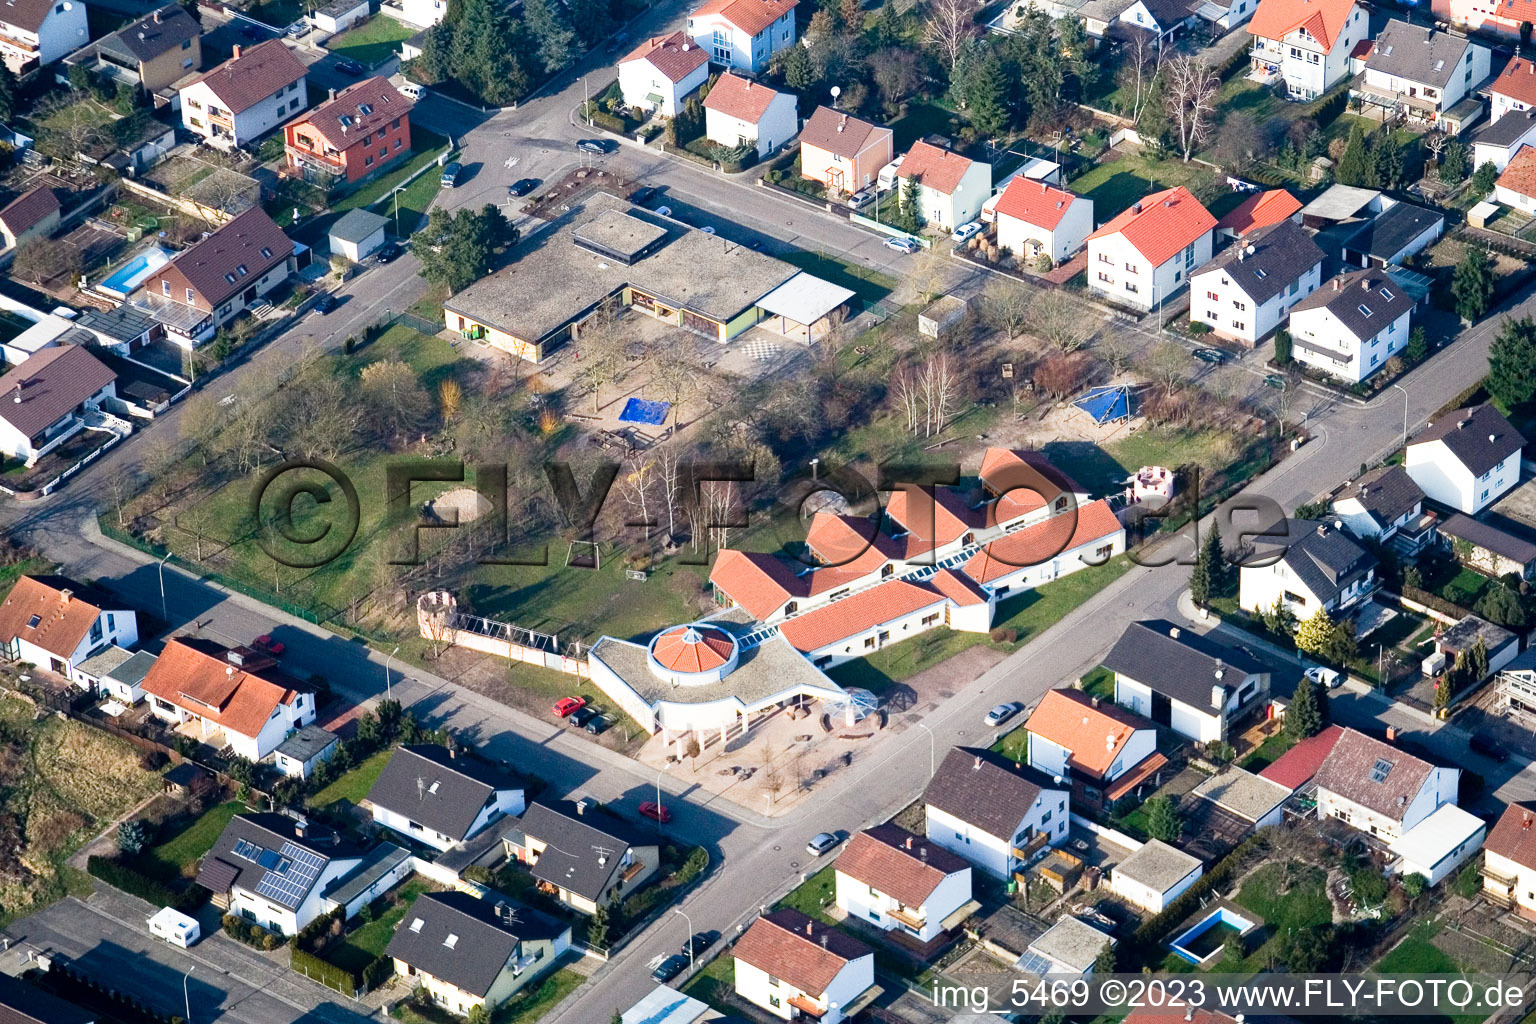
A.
pixel 1418 53
pixel 270 845
pixel 305 743
pixel 378 862
pixel 336 8
pixel 1507 129
pixel 124 323
pixel 484 934
pixel 1468 630
pixel 1386 493
pixel 1327 560
pixel 21 1003
pixel 156 33
pixel 1501 536
pixel 1392 229
pixel 983 789
pixel 431 786
pixel 133 671
pixel 1180 663
pixel 1168 13
pixel 1344 296
pixel 1266 262
pixel 1480 438
pixel 357 225
pixel 583 849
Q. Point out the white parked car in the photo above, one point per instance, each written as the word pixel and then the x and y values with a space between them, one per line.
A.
pixel 965 231
pixel 902 244
pixel 1327 677
pixel 862 198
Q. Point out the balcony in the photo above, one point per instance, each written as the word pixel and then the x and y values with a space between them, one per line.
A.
pixel 807 1006
pixel 908 917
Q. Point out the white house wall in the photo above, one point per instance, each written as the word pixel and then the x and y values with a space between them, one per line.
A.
pixel 1441 476
pixel 1145 896
pixel 873 907
pixel 1069 235
pixel 1118 272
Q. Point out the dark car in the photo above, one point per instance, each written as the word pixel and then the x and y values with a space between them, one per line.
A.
pixel 388 254
pixel 1485 744
pixel 349 67
pixel 1214 356
pixel 326 303
pixel 697 944
pixel 581 716
pixel 656 812
pixel 598 724
pixel 521 188
pixel 669 968
pixel 643 195
pixel 599 146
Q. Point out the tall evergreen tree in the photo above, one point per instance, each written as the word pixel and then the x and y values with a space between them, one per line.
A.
pixel 10 92
pixel 1200 576
pixel 1224 577
pixel 551 27
pixel 1472 285
pixel 1355 166
pixel 1283 348
pixel 1386 161
pixel 1302 718
pixel 986 94
pixel 1512 363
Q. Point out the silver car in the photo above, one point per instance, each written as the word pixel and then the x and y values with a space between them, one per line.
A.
pixel 862 198
pixel 1003 712
pixel 821 842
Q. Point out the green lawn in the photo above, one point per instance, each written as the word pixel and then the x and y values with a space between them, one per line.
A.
pixel 1101 469
pixel 714 982
pixel 1268 753
pixel 1417 954
pixel 868 284
pixel 184 849
pixel 355 784
pixel 532 1003
pixel 922 118
pixel 368 942
pixel 1015 745
pixel 1099 682
pixel 425 148
pixel 1115 185
pixel 370 43
pixel 1287 896
pixel 811 895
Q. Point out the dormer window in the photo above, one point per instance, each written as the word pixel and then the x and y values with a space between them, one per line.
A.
pixel 365 109
pixel 33 621
pixel 451 941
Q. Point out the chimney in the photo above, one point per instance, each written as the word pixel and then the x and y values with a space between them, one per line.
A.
pixel 157 17
pixel 909 842
pixel 1095 700
pixel 581 807
pixel 65 595
pixel 1365 284
pixel 1173 631
pixel 238 48
pixel 1137 207
pixel 976 767
pixel 333 94
pixel 1335 284
pixel 1218 692
pixel 810 927
pixel 453 752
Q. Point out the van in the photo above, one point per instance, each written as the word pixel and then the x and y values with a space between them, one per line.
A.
pixel 451 174
pixel 886 179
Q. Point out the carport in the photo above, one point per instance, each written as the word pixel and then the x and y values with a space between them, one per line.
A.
pixel 801 307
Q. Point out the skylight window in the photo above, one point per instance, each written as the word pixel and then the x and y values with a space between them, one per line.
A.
pixel 1365 309
pixel 1380 771
pixel 416 925
pixel 266 254
pixel 365 109
pixel 1439 65
pixel 33 621
pixel 451 941
pixel 1261 273
pixel 346 120
pixel 1387 294
pixel 433 788
pixel 241 270
pixel 230 278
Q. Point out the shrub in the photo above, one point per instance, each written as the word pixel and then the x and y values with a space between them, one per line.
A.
pixel 693 867
pixel 326 973
pixel 136 883
pixel 1199 327
pixel 152 760
pixel 1004 635
pixel 377 972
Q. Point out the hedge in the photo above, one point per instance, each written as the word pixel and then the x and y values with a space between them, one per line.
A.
pixel 1154 928
pixel 136 883
pixel 326 973
pixel 608 122
pixel 378 971
pixel 1435 602
pixel 307 935
pixel 1328 108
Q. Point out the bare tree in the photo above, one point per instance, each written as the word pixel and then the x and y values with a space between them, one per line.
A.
pixel 1435 142
pixel 45 259
pixel 637 489
pixel 715 506
pixel 1189 90
pixel 1061 322
pixel 225 192
pixel 937 387
pixel 948 27
pixel 123 486
pixel 904 386
pixel 674 368
pixel 200 423
pixel 1142 60
pixel 669 465
pixel 1005 305
pixel 1168 364
pixel 1116 350
pixel 929 268
pixel 692 751
pixel 394 396
pixel 773 775
pixel 1226 383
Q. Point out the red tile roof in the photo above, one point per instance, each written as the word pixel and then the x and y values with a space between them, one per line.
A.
pixel 1295 768
pixel 254 74
pixel 49 385
pixel 1023 481
pixel 757 582
pixel 65 611
pixel 28 209
pixel 1515 836
pixel 196 675
pixel 1323 19
pixel 740 98
pixel 1042 541
pixel 789 945
pixel 959 589
pixel 1035 203
pixel 1517 81
pixel 1094 731
pixel 938 169
pixel 676 56
pixel 357 111
pixel 837 132
pixel 1348 772
pixel 856 613
pixel 1260 211
pixel 1162 224
pixel 751 16
pixel 693 648
pixel 1520 174
pixel 933 517
pixel 854 543
pixel 905 867
pixel 213 266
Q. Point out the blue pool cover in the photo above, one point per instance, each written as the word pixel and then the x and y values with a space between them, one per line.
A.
pixel 1106 402
pixel 640 410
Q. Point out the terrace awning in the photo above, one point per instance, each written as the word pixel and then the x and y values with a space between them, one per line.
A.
pixel 805 299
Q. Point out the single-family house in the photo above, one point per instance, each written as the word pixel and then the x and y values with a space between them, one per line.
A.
pixel 1466 459
pixel 743 34
pixel 1498 143
pixel 1386 506
pixel 38 32
pixel 1477 15
pixel 1319 566
pixel 793 967
pixel 1248 289
pixel 662 72
pixel 1155 875
pixel 208 285
pixel 1146 253
pixel 45 401
pixel 125 682
pixel 24 1003
pixel 1495 547
pixel 1513 90
pixel 335 16
pixel 585 854
pixel 1509 861
pixel 1070 946
pixel 274 869
pixel 122 329
pixel 1374 787
pixel 1035 219
pixel 420 13
pixel 1259 210
pixel 1306 42
pixel 741 112
pixel 245 97
pixel 56 624
pixel 842 152
pixel 1516 186
pixel 468 951
pixel 950 187
pixel 1161 20
pixel 440 796
pixel 1103 750
pixel 1224 14
pixel 356 133
pixel 33 214
pixel 1296 768
pixel 1393 236
pixel 1195 684
pixel 1421 73
pixel 901 882
pixel 993 812
pixel 1352 325
pixel 303 751
pixel 227 697
pixel 152 52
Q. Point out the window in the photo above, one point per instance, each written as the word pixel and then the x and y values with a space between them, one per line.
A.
pixel 1104 258
pixel 929 620
pixel 398 143
pixel 1104 552
pixel 1365 310
pixel 241 270
pixel 773 1000
pixel 873 891
pixel 869 643
pixel 1130 286
pixel 266 253
pixel 1386 293
pixel 368 161
pixel 33 621
pixel 1261 273
pixel 394 125
pixel 1130 268
pixel 772 981
pixel 1213 296
pixel 1381 770
pixel 1239 305
pixel 1212 315
pixel 1046 817
pixel 165 287
pixel 1106 278
pixel 230 278
pixel 191 296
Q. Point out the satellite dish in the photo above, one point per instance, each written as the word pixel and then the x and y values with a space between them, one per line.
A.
pixel 837 91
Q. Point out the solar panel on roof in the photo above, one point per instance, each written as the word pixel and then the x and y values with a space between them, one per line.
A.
pixel 247 849
pixel 1034 963
pixel 267 859
pixel 289 885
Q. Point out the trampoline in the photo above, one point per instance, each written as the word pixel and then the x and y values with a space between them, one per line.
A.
pixel 1106 403
pixel 640 410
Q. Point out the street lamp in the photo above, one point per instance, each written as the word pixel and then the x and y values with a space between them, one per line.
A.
pixel 664 766
pixel 931 746
pixel 689 922
pixel 164 614
pixel 396 194
pixel 185 997
pixel 389 693
pixel 1405 411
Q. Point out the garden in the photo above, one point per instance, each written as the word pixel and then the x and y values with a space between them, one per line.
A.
pixel 373 42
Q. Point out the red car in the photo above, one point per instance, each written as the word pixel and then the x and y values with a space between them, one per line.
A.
pixel 656 812
pixel 272 647
pixel 565 705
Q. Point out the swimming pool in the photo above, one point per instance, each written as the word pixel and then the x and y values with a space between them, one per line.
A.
pixel 1207 937
pixel 132 273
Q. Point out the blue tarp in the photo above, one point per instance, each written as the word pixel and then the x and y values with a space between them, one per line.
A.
pixel 1107 402
pixel 639 410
